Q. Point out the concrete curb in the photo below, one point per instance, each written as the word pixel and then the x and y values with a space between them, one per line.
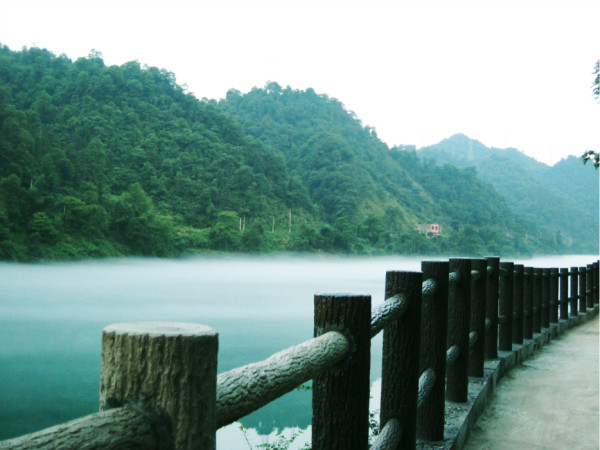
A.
pixel 461 417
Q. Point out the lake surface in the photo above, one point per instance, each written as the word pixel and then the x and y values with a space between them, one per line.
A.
pixel 52 316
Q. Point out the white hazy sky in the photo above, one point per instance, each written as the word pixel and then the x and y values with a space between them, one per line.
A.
pixel 507 73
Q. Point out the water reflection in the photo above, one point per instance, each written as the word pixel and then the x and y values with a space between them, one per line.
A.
pixel 240 436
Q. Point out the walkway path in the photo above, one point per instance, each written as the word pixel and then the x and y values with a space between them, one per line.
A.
pixel 549 402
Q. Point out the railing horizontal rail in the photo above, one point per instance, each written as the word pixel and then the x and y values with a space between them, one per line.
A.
pixel 122 427
pixel 243 390
pixel 389 437
pixel 391 309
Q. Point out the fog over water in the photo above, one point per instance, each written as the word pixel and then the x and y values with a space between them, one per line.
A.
pixel 52 316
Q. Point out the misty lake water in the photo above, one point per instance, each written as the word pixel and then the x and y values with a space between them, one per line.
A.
pixel 52 316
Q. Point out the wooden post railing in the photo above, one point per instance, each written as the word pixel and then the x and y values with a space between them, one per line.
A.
pixel 537 300
pixel 518 286
pixel 158 363
pixel 596 272
pixel 564 294
pixel 491 308
pixel 159 387
pixel 340 396
pixel 505 306
pixel 528 303
pixel 400 360
pixel 582 287
pixel 554 295
pixel 589 287
pixel 434 323
pixel 157 390
pixel 545 298
pixel 574 299
pixel 459 305
pixel 477 322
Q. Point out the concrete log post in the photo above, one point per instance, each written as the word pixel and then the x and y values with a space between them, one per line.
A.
pixel 517 330
pixel 596 282
pixel 400 359
pixel 564 294
pixel 477 320
pixel 528 303
pixel 434 322
pixel 596 272
pixel 546 298
pixel 459 311
pixel 574 298
pixel 554 295
pixel 537 300
pixel 168 367
pixel 505 306
pixel 582 286
pixel 491 308
pixel 340 399
pixel 589 286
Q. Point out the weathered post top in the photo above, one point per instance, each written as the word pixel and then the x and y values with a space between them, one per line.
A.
pixel 167 329
pixel 169 366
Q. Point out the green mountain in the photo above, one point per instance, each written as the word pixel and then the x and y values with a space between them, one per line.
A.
pixel 100 160
pixel 561 199
pixel 357 182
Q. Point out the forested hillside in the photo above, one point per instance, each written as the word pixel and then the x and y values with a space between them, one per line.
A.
pixel 376 194
pixel 100 160
pixel 561 199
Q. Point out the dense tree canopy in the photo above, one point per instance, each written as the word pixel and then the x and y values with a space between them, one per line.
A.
pixel 374 195
pixel 118 159
pixel 100 160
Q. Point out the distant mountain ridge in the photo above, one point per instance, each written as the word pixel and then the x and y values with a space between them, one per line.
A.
pixel 563 199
